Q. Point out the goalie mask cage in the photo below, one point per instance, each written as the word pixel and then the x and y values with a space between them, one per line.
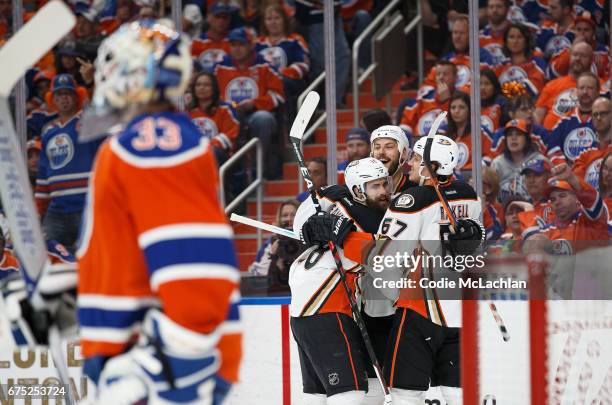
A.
pixel 559 351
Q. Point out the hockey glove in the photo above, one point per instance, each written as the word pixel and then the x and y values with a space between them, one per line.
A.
pixel 468 237
pixel 324 227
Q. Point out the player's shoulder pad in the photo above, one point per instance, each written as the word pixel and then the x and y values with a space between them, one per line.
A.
pixel 159 140
pixel 413 199
pixel 335 192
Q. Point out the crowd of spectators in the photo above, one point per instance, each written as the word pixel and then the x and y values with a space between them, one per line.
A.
pixel 545 89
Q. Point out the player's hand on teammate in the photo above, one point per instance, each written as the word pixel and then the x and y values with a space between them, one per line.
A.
pixel 468 236
pixel 324 227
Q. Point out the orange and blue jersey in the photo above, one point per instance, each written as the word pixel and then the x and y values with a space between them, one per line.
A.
pixel 288 56
pixel 493 42
pixel 572 135
pixel 462 61
pixel 552 39
pixel 533 221
pixel 257 82
pixel 64 168
pixel 588 224
pixel 155 236
pixel 532 74
pixel 588 164
pixel 221 127
pixel 209 52
pixel 559 98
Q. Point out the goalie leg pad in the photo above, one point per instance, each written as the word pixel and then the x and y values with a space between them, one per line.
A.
pixel 315 399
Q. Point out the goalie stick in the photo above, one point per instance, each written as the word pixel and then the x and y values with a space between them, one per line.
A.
pixel 295 135
pixel 450 214
pixel 22 51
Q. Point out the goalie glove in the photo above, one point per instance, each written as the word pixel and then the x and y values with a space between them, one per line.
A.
pixel 468 237
pixel 324 227
pixel 54 302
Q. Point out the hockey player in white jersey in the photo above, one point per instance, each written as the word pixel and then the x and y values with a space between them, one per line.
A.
pixel 423 349
pixel 333 358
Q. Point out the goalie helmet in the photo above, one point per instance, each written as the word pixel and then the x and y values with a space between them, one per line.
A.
pixel 444 151
pixel 396 133
pixel 143 61
pixel 361 171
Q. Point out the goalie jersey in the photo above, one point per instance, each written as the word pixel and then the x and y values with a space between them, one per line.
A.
pixel 155 236
pixel 414 218
pixel 313 278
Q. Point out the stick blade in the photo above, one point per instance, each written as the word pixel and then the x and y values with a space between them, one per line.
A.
pixel 32 41
pixel 304 115
pixel 433 130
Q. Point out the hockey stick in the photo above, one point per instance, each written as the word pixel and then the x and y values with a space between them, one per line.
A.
pixel 262 225
pixel 450 214
pixel 20 53
pixel 295 135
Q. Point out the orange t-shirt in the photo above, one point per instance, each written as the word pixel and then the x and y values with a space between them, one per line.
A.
pixel 559 98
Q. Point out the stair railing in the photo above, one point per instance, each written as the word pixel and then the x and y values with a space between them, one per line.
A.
pixel 257 184
pixel 357 80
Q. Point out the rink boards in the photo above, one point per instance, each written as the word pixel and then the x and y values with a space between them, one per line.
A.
pixel 580 359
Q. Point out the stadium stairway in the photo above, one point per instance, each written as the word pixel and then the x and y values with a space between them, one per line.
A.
pixel 278 191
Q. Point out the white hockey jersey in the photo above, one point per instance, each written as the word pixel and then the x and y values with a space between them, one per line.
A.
pixel 314 281
pixel 414 220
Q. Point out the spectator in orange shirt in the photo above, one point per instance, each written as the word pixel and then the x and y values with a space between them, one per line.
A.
pixel 536 173
pixel 522 64
pixel 419 114
pixel 212 46
pixel 215 118
pixel 587 165
pixel 580 214
pixel 490 100
pixel 558 97
pixel 256 91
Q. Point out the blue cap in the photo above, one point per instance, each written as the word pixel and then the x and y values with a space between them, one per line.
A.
pixel 357 134
pixel 221 7
pixel 63 81
pixel 538 165
pixel 240 34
